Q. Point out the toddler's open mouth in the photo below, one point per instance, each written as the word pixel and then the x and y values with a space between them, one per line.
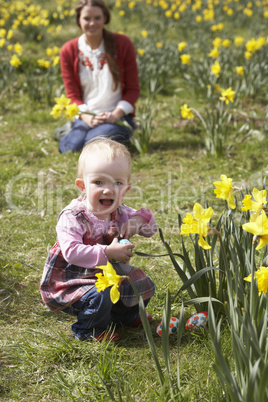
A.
pixel 106 202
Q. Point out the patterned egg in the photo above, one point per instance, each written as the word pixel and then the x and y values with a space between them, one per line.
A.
pixel 197 321
pixel 173 326
pixel 125 241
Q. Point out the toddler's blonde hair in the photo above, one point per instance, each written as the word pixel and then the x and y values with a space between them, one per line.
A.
pixel 109 150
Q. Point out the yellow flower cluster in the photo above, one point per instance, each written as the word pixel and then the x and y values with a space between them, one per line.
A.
pixel 53 53
pixel 198 224
pixel 65 108
pixel 258 225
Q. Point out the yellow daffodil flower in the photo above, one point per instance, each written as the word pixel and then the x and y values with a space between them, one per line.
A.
pixel 227 95
pixel 15 61
pixel 258 204
pixel 262 279
pixel 159 45
pixel 248 55
pixel 63 101
pixel 252 45
pixel 224 190
pixel 56 60
pixel 144 33
pixel 238 40
pixel 182 46
pixel 109 278
pixel 168 14
pixel 217 42
pixel 10 34
pixel 185 59
pixel 18 48
pixel 216 68
pixel 198 224
pixel 239 70
pixel 258 226
pixel 226 42
pixel 214 53
pixel 140 52
pixel 186 112
pixel 56 112
pixel 71 111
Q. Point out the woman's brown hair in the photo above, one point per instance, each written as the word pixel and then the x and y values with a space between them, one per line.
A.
pixel 108 37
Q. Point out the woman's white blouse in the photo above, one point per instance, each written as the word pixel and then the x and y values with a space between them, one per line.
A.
pixel 97 82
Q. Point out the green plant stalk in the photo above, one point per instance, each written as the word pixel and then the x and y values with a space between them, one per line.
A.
pixel 148 333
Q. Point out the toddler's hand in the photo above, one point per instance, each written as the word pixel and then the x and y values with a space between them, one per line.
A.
pixel 119 252
pixel 132 226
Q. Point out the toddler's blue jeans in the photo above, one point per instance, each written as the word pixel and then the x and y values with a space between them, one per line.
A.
pixel 81 133
pixel 95 313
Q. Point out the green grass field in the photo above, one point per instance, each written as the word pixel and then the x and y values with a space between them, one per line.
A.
pixel 39 359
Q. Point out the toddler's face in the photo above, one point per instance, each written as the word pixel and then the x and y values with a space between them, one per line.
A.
pixel 105 183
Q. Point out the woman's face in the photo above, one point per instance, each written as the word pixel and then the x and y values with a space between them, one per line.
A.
pixel 92 21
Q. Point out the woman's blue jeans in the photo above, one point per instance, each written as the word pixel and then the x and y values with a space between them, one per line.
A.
pixel 95 313
pixel 81 133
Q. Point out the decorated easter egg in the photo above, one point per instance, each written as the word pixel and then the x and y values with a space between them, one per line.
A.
pixel 125 241
pixel 122 241
pixel 173 326
pixel 197 321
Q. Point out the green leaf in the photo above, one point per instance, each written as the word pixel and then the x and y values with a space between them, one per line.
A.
pixel 165 331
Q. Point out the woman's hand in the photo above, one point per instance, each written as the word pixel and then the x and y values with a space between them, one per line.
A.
pixel 100 118
pixel 132 226
pixel 119 252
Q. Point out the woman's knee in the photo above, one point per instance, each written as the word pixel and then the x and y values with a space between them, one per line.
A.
pixel 75 140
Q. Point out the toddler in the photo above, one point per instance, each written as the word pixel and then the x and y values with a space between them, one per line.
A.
pixel 88 234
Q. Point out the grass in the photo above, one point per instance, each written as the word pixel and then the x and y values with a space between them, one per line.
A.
pixel 39 359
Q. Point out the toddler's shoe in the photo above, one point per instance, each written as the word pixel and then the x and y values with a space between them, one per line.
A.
pixel 105 336
pixel 138 322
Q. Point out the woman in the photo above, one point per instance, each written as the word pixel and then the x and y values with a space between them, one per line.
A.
pixel 100 75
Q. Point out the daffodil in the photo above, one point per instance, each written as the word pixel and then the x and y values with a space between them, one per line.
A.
pixel 226 42
pixel 186 112
pixel 185 59
pixel 258 226
pixel 18 48
pixel 56 112
pixel 109 278
pixel 248 55
pixel 239 70
pixel 140 52
pixel 238 40
pixel 224 190
pixel 227 95
pixel 214 53
pixel 62 100
pixel 15 61
pixel 71 111
pixel 217 42
pixel 182 46
pixel 258 204
pixel 216 68
pixel 144 33
pixel 262 279
pixel 198 224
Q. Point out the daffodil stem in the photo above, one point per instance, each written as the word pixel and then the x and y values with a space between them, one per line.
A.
pixel 118 122
pixel 252 290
